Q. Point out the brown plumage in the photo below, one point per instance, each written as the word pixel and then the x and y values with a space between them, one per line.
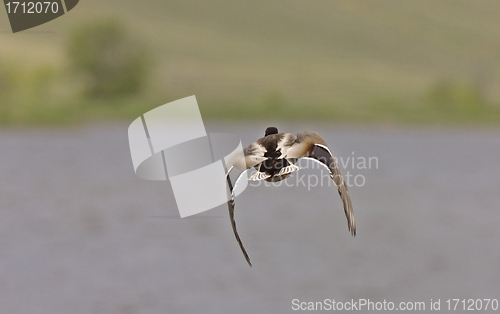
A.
pixel 274 157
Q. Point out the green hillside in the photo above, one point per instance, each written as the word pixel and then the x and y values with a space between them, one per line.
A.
pixel 356 60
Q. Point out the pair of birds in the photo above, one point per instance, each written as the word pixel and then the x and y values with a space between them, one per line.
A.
pixel 274 157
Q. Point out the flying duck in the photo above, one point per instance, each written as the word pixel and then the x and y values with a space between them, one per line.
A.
pixel 274 157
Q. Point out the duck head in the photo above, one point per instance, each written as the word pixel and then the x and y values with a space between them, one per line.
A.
pixel 271 130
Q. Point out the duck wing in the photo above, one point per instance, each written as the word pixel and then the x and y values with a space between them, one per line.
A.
pixel 312 146
pixel 238 164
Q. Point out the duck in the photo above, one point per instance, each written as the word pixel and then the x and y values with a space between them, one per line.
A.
pixel 274 157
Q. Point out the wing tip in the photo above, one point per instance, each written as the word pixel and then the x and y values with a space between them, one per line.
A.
pixel 352 229
pixel 233 224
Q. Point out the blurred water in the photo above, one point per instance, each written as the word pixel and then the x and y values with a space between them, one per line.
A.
pixel 81 234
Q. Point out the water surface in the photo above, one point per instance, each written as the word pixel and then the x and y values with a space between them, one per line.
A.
pixel 80 233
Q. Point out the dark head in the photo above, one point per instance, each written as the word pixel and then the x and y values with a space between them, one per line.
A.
pixel 271 130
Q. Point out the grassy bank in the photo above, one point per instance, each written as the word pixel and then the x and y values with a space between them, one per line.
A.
pixel 398 61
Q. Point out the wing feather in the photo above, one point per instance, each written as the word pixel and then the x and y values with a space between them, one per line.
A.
pixel 230 205
pixel 322 154
pixel 311 145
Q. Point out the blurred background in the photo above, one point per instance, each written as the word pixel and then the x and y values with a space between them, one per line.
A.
pixel 415 84
pixel 403 61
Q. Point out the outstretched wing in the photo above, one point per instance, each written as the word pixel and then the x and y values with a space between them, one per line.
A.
pixel 230 205
pixel 238 164
pixel 311 145
pixel 322 154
